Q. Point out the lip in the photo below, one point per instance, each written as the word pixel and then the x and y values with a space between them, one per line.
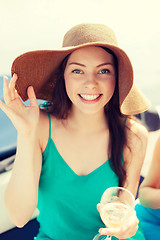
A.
pixel 89 101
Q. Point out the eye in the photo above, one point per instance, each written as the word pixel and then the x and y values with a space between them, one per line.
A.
pixel 77 71
pixel 104 71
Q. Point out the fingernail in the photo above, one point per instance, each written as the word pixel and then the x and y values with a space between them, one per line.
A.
pixel 14 75
pixel 100 230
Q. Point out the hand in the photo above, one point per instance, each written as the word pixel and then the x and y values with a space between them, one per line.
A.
pixel 24 118
pixel 128 230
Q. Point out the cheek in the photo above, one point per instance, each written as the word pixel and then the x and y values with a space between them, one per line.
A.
pixel 69 86
pixel 111 86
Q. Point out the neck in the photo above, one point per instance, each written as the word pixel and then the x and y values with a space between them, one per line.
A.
pixel 87 122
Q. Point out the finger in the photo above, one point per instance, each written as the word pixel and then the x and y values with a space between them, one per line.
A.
pixel 133 219
pixel 6 109
pixel 32 97
pixel 12 86
pixel 6 92
pixel 132 223
pixel 112 232
pixel 16 94
pixel 105 231
pixel 98 207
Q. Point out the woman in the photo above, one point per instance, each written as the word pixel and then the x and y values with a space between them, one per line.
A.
pixel 148 210
pixel 87 143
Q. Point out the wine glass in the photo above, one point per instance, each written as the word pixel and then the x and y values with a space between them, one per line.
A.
pixel 116 206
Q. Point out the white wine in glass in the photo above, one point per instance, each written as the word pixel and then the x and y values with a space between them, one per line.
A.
pixel 116 207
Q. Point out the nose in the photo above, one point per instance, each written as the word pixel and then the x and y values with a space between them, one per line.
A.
pixel 90 81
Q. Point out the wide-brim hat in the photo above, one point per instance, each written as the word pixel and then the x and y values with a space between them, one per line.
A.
pixel 36 67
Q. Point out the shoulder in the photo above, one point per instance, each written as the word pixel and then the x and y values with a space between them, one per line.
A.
pixel 134 152
pixel 137 134
pixel 137 139
pixel 43 128
pixel 152 178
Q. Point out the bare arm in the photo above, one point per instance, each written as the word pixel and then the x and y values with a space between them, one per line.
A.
pixel 21 195
pixel 150 188
pixel 22 191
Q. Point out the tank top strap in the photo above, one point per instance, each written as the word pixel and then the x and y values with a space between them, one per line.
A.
pixel 125 121
pixel 49 118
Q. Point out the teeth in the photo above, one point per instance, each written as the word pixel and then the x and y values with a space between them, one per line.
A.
pixel 89 97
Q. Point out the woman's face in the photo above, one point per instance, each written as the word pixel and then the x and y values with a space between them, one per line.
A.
pixel 90 78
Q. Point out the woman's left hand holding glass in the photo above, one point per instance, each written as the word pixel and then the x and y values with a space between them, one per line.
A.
pixel 128 230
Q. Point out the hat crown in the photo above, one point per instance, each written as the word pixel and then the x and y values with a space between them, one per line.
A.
pixel 88 33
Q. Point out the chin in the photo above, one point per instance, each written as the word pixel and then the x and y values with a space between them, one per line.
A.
pixel 91 111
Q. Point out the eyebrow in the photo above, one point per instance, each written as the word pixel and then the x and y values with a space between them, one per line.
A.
pixel 75 63
pixel 82 65
pixel 108 63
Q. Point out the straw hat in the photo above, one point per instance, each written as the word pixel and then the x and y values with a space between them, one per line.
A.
pixel 35 67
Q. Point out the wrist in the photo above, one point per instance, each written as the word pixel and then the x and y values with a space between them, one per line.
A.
pixel 28 135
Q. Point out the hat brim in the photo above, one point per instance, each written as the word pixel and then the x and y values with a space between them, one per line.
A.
pixel 35 69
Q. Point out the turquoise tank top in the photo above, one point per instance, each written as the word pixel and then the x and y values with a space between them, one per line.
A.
pixel 67 202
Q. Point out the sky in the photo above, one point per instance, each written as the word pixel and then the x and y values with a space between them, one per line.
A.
pixel 41 24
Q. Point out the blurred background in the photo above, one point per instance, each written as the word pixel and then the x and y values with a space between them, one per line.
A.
pixel 41 24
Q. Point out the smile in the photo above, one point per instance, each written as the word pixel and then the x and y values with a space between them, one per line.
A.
pixel 90 97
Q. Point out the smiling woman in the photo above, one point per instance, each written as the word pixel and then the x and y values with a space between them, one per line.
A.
pixel 83 143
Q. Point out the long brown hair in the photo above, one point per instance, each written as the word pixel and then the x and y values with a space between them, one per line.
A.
pixel 61 105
